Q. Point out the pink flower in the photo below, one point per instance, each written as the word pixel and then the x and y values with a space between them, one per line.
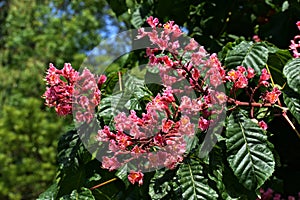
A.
pixel 157 158
pixel 105 134
pixel 250 72
pixel 167 61
pixel 256 38
pixel 101 80
pixel 197 57
pixel 203 124
pixel 242 82
pixel 192 45
pixel 69 73
pixel 59 93
pixel 186 105
pixel 185 126
pixel 53 75
pixel 295 46
pixel 123 140
pixel 141 33
pixel 264 77
pixel 122 122
pixel 241 69
pixel 298 25
pixel 215 80
pixel 136 151
pixel 136 177
pixel 166 125
pixel 263 125
pixel 213 61
pixel 272 97
pixel 152 21
pixel 158 140
pixel 220 97
pixel 110 163
pixel 233 75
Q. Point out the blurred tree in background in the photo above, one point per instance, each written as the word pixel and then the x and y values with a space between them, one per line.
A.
pixel 32 34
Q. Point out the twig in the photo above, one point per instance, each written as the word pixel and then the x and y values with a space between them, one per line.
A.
pixel 104 183
pixel 283 110
pixel 120 81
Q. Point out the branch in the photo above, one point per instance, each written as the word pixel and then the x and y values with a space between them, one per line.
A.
pixel 250 104
pixel 101 184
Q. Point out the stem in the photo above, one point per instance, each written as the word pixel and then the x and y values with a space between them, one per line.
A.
pixel 120 81
pixel 290 123
pixel 101 184
pixel 283 110
pixel 252 104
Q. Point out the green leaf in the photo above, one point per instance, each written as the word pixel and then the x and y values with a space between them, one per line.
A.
pixel 193 183
pixel 248 153
pixel 133 96
pixel 122 173
pixel 276 61
pixel 285 6
pixel 292 101
pixel 162 185
pixel 82 194
pixel 71 159
pixel 228 47
pixel 247 54
pixel 49 194
pixel 137 21
pixel 292 72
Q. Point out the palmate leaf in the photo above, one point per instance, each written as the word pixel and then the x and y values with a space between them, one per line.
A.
pixel 49 194
pixel 82 194
pixel 247 54
pixel 164 185
pixel 132 97
pixel 248 153
pixel 292 101
pixel 276 61
pixel 193 183
pixel 70 174
pixel 292 72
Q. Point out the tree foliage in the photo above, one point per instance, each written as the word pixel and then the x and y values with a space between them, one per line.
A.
pixel 34 33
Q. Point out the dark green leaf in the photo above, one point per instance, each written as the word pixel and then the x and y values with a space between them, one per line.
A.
pixel 292 72
pixel 49 194
pixel 71 159
pixel 193 183
pixel 137 21
pixel 162 185
pixel 248 54
pixel 292 100
pixel 277 60
pixel 82 194
pixel 248 153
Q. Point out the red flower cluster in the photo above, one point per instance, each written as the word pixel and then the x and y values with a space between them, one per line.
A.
pixel 264 77
pixel 263 125
pixel 269 194
pixel 86 95
pixel 136 177
pixel 59 92
pixel 240 76
pixel 271 97
pixel 137 139
pixel 295 44
pixel 157 138
pixel 69 91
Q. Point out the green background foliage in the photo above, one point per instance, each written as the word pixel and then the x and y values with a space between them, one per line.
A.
pixel 34 33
